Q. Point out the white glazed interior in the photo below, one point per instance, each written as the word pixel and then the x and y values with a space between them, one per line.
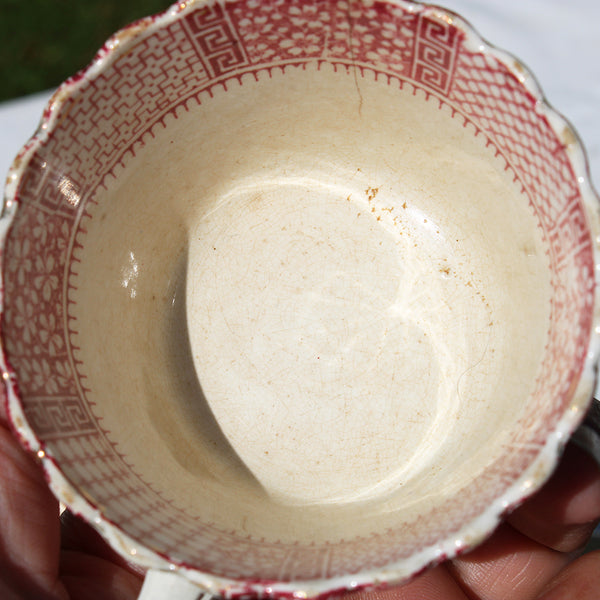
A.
pixel 351 285
pixel 347 274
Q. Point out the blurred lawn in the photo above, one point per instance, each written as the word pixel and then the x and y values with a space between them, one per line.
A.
pixel 46 41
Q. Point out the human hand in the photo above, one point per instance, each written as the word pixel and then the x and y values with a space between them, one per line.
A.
pixel 534 555
pixel 44 557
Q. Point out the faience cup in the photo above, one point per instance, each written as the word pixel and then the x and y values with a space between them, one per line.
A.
pixel 298 296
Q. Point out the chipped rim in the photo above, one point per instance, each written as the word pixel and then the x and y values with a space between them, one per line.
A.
pixel 474 531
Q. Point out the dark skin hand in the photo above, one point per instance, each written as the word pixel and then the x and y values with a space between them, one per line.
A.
pixel 534 555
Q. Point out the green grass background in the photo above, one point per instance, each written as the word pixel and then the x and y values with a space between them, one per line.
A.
pixel 42 42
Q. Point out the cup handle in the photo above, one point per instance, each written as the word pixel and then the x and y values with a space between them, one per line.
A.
pixel 587 436
pixel 164 585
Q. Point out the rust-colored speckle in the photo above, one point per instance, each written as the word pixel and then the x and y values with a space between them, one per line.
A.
pixel 371 192
pixel 568 136
pixel 519 67
pixel 132 30
pixel 17 162
pixel 68 497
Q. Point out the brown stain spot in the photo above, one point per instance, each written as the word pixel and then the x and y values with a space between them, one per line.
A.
pixel 131 31
pixel 16 164
pixel 445 270
pixel 60 96
pixel 68 498
pixel 518 66
pixel 371 192
pixel 404 206
pixel 528 249
pixel 568 136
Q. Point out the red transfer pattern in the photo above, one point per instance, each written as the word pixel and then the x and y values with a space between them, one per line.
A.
pixel 115 112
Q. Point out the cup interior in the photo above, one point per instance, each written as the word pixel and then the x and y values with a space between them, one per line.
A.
pixel 339 307
pixel 290 306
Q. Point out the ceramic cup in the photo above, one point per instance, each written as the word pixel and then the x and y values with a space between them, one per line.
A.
pixel 298 296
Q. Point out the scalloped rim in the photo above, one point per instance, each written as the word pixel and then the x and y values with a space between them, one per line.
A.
pixel 473 532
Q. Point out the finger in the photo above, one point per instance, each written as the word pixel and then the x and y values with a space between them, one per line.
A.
pixel 563 514
pixel 90 578
pixel 435 584
pixel 581 580
pixel 3 401
pixel 90 568
pixel 29 531
pixel 78 536
pixel 508 565
pixel 11 589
